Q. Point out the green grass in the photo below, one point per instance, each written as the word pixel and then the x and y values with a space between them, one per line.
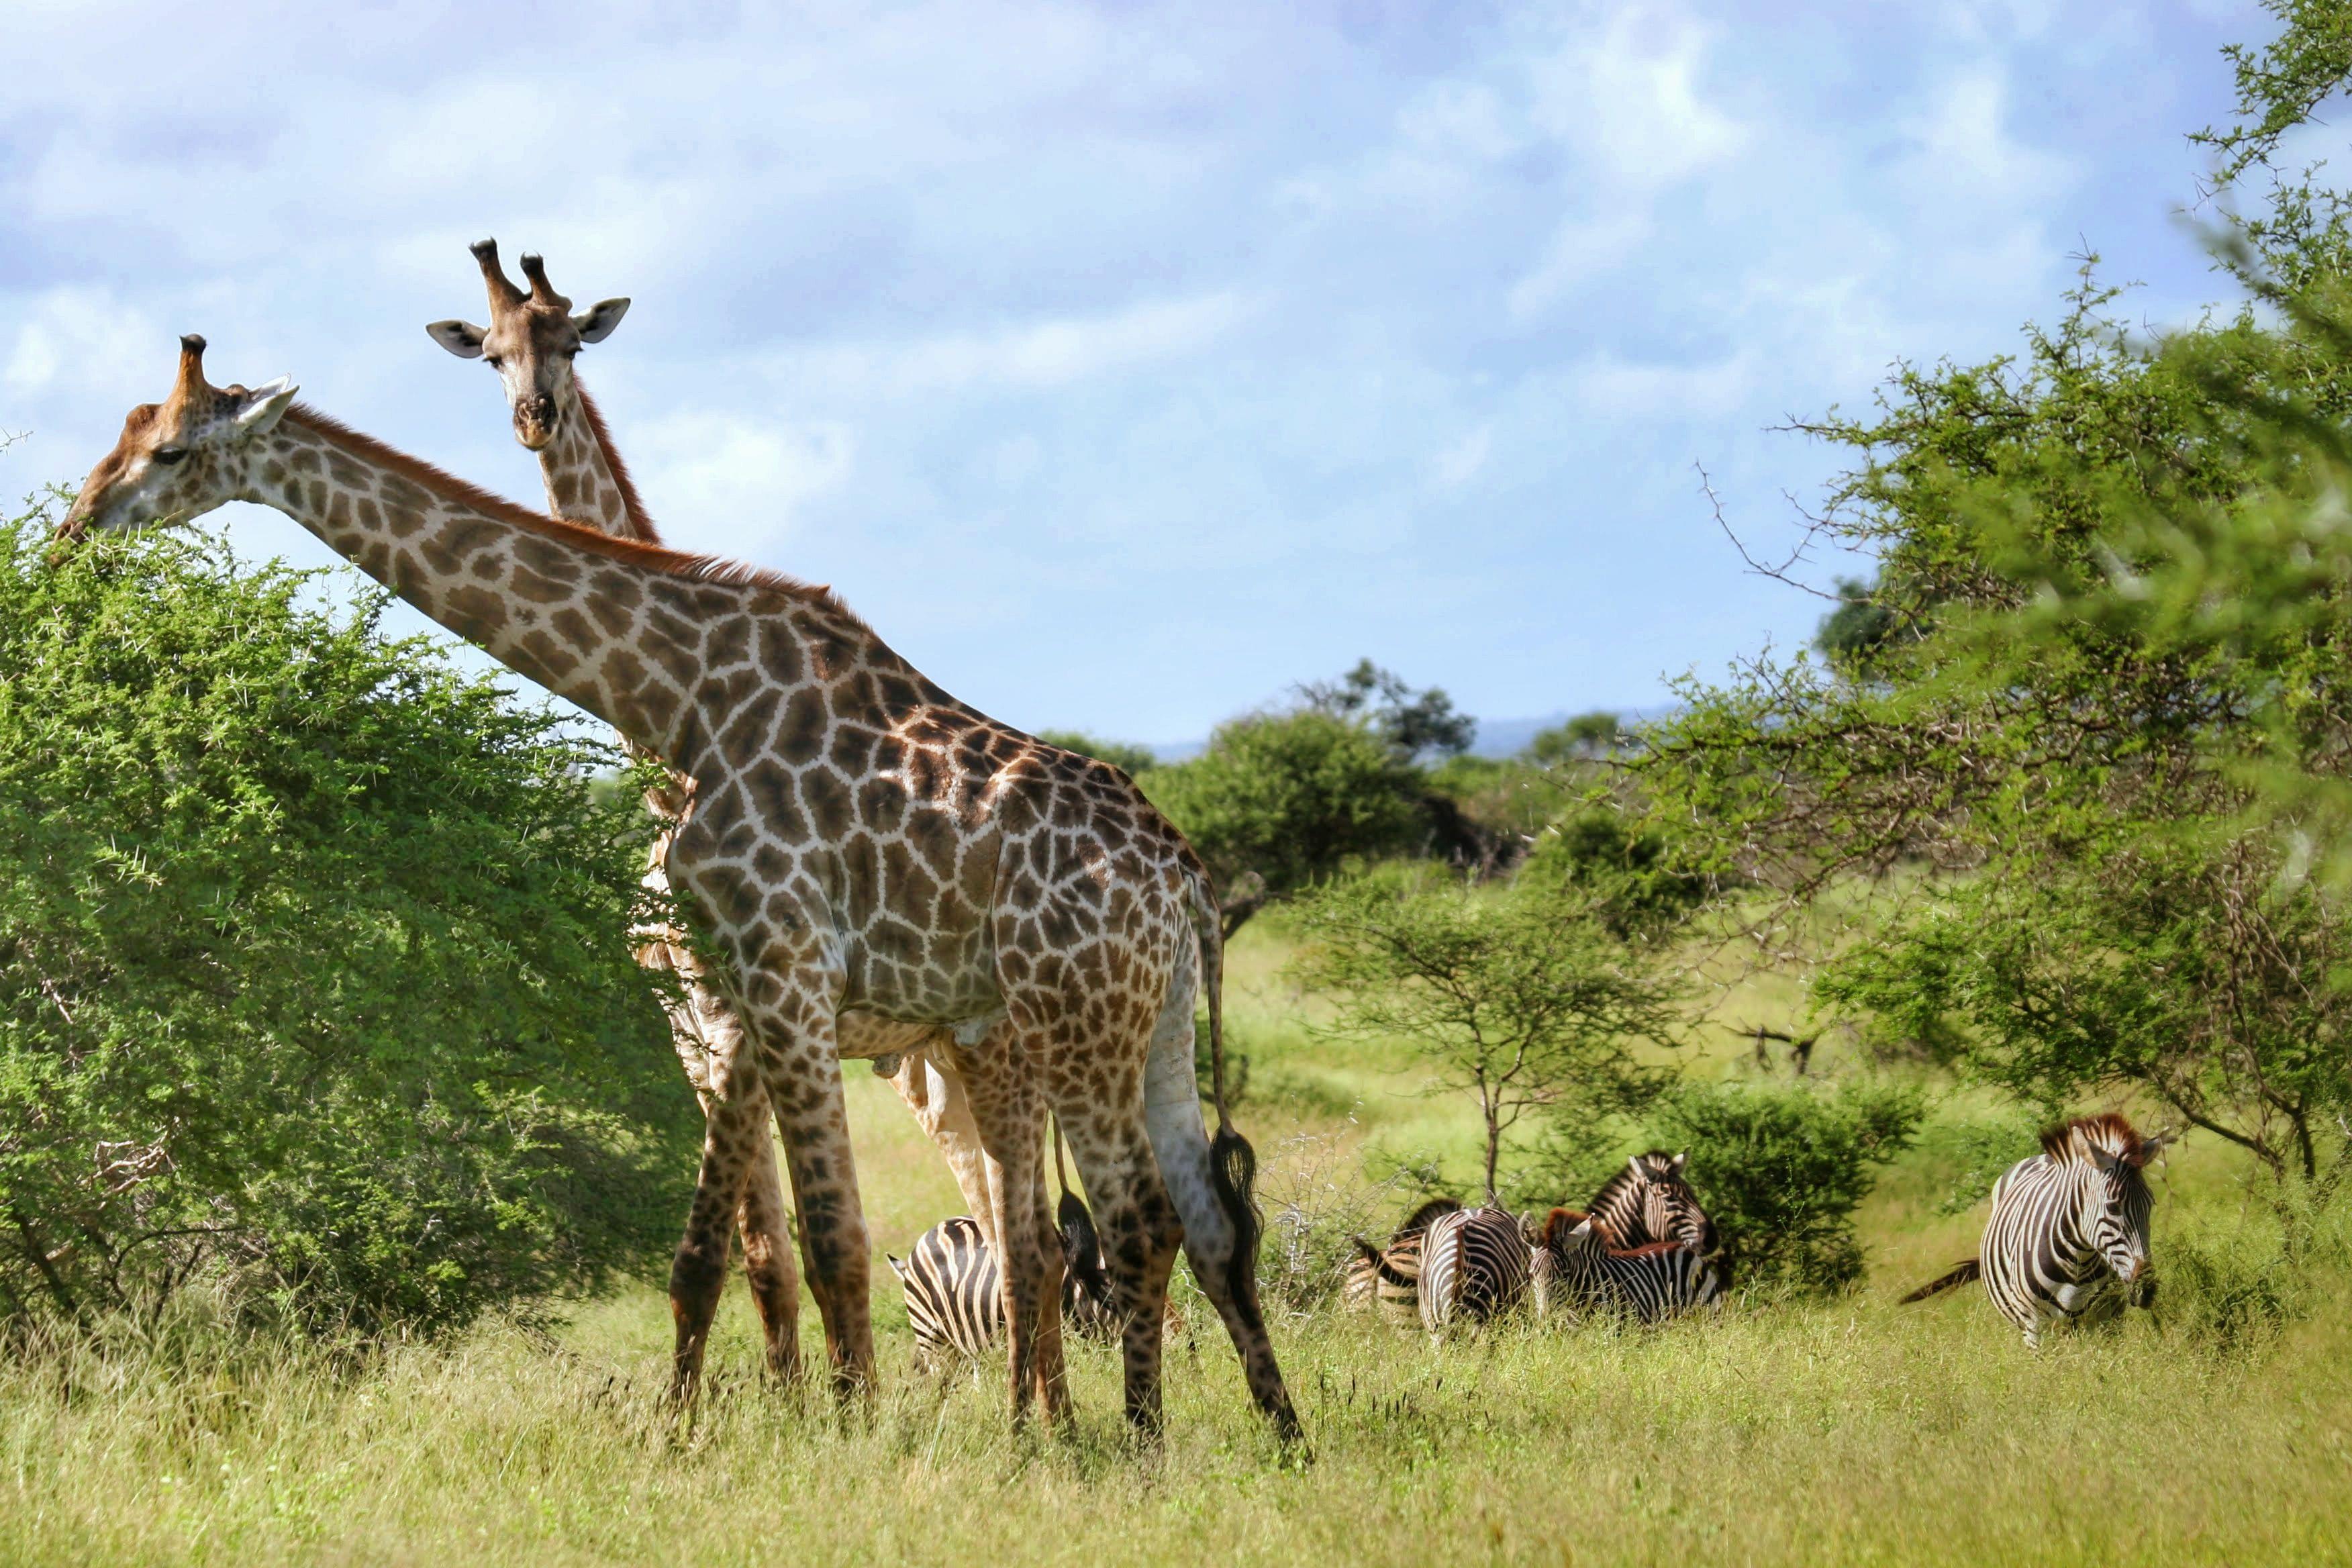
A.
pixel 1780 1433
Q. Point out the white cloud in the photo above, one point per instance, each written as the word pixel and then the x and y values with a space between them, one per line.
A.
pixel 733 484
pixel 78 340
pixel 1579 248
pixel 1459 463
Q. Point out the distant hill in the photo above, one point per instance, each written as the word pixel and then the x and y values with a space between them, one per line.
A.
pixel 1496 737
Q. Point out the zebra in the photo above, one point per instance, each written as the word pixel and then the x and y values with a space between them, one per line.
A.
pixel 1649 1201
pixel 1474 1266
pixel 1576 1268
pixel 1397 1293
pixel 2067 1241
pixel 954 1287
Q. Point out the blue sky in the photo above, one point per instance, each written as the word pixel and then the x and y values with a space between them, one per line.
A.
pixel 1122 363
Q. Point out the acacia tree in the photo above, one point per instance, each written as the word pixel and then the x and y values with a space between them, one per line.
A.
pixel 1522 1001
pixel 315 986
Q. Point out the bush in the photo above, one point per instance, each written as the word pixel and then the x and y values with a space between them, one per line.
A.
pixel 1781 1168
pixel 315 986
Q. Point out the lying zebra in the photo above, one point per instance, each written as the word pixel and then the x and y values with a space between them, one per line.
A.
pixel 2067 1241
pixel 955 1291
pixel 1470 1266
pixel 1649 1201
pixel 1367 1287
pixel 1576 1269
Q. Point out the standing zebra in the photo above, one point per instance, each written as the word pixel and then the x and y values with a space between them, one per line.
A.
pixel 955 1291
pixel 2067 1241
pixel 1576 1269
pixel 1474 1266
pixel 1397 1292
pixel 1650 1201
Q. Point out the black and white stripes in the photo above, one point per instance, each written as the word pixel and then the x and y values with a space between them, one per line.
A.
pixel 2068 1240
pixel 1577 1270
pixel 1474 1266
pixel 955 1294
pixel 1389 1277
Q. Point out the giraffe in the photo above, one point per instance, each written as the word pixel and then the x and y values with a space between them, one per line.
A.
pixel 857 838
pixel 531 341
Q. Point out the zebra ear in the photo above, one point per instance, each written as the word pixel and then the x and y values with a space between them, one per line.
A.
pixel 896 1268
pixel 2150 1148
pixel 1674 1166
pixel 1633 1164
pixel 2105 1162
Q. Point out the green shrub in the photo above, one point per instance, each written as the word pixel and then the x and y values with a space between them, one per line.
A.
pixel 1781 1167
pixel 315 987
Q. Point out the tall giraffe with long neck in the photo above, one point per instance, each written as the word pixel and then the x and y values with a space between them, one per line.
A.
pixel 858 838
pixel 531 341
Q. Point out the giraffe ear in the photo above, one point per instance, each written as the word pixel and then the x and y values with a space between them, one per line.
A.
pixel 597 324
pixel 460 338
pixel 264 405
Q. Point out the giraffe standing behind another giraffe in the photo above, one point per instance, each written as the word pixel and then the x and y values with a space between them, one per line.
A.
pixel 531 341
pixel 857 838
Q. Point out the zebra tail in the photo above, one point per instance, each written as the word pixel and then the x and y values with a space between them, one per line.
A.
pixel 1388 1271
pixel 1971 1269
pixel 1232 1164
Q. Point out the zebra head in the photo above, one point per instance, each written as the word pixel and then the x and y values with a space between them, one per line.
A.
pixel 1566 1247
pixel 2113 1195
pixel 1670 1210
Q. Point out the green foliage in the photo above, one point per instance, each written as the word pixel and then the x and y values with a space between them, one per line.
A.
pixel 1622 869
pixel 1781 1168
pixel 1125 755
pixel 1849 633
pixel 315 987
pixel 1587 737
pixel 1979 1151
pixel 1520 1001
pixel 1280 802
pixel 1416 724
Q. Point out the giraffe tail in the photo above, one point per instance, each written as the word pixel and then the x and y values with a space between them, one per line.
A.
pixel 1232 1164
pixel 1960 1275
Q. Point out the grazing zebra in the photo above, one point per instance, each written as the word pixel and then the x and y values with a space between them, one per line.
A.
pixel 1577 1270
pixel 2067 1241
pixel 955 1295
pixel 1649 1201
pixel 1397 1293
pixel 1474 1266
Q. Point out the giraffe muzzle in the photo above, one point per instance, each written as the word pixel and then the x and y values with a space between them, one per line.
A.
pixel 534 423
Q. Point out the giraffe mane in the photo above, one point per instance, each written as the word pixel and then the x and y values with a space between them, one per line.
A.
pixel 694 568
pixel 641 524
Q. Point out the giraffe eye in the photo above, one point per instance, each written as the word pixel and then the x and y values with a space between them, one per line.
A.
pixel 169 454
pixel 495 361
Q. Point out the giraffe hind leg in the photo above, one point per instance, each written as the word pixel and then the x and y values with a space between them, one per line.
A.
pixel 1179 1143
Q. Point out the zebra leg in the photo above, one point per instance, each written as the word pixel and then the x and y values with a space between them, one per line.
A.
pixel 1225 1268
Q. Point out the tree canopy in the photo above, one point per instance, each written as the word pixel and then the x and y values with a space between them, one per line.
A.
pixel 315 987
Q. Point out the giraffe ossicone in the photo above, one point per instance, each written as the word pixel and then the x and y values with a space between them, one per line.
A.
pixel 858 838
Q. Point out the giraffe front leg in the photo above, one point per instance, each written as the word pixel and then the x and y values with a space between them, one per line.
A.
pixel 768 1263
pixel 734 1127
pixel 803 1076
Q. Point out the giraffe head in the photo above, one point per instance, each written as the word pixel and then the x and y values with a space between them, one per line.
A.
pixel 531 341
pixel 180 457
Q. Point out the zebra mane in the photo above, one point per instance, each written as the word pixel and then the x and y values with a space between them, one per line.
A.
pixel 2107 1131
pixel 1557 1225
pixel 1419 1220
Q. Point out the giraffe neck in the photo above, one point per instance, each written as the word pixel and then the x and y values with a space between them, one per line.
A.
pixel 625 631
pixel 586 482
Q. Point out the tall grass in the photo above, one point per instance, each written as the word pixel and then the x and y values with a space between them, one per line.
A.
pixel 2219 1430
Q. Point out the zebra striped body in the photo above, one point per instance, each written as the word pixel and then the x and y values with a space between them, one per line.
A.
pixel 1474 1266
pixel 1576 1270
pixel 1394 1289
pixel 1649 1201
pixel 955 1292
pixel 2068 1234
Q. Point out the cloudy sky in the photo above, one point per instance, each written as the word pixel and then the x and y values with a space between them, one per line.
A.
pixel 1123 363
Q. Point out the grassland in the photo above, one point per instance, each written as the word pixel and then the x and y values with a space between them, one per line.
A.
pixel 1780 1433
